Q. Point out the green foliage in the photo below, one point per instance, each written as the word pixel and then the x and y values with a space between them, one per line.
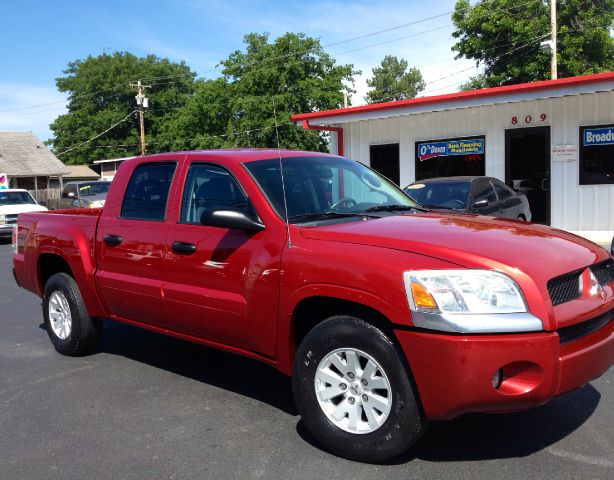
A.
pixel 253 100
pixel 204 120
pixel 393 81
pixel 504 36
pixel 271 81
pixel 100 96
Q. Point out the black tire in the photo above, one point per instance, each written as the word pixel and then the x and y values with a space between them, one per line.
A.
pixel 522 218
pixel 84 332
pixel 405 422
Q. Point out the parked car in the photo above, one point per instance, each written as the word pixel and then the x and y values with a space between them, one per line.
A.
pixel 12 203
pixel 384 314
pixel 81 195
pixel 481 195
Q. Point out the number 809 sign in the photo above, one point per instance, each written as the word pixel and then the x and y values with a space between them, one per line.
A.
pixel 528 119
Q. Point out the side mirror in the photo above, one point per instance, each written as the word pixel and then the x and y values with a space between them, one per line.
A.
pixel 230 219
pixel 479 205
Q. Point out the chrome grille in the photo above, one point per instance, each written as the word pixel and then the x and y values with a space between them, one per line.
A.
pixel 11 219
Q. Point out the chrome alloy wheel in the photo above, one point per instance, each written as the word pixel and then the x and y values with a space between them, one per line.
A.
pixel 353 390
pixel 59 315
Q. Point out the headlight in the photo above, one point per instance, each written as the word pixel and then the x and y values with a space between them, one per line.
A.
pixel 97 204
pixel 470 301
pixel 2 219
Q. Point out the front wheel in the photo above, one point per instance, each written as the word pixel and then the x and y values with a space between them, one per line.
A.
pixel 70 328
pixel 354 391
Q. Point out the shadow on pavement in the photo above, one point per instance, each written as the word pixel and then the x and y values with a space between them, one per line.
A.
pixel 496 436
pixel 469 438
pixel 224 370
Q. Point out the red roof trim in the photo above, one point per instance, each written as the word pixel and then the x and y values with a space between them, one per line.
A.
pixel 485 92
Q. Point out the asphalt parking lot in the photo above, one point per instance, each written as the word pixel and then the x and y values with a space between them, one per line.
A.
pixel 148 406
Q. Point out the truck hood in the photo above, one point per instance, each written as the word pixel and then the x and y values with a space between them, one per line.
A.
pixel 94 198
pixel 21 208
pixel 472 241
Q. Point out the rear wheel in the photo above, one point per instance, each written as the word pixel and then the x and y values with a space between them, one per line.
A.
pixel 354 392
pixel 70 328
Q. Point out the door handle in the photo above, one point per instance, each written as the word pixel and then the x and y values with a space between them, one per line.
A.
pixel 183 247
pixel 112 240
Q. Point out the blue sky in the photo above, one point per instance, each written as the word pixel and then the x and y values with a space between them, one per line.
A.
pixel 41 37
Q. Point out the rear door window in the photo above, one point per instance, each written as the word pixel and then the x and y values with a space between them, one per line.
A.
pixel 147 192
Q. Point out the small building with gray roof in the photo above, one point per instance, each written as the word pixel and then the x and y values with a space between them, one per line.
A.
pixel 27 161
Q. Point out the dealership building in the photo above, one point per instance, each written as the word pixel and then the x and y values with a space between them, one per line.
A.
pixel 553 138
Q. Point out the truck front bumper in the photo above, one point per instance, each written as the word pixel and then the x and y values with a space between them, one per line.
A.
pixel 458 374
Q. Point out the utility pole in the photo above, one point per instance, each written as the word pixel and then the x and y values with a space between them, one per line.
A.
pixel 553 68
pixel 142 102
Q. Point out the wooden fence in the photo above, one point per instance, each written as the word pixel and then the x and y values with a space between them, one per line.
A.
pixel 43 196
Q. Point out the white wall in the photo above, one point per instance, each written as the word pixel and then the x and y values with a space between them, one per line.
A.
pixel 574 206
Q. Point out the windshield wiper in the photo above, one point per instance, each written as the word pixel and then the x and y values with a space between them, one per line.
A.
pixel 392 207
pixel 442 207
pixel 324 215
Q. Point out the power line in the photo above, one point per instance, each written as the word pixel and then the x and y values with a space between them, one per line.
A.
pixel 96 136
pixel 349 40
pixel 524 54
pixel 235 134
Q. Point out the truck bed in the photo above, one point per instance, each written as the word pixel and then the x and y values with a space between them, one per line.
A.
pixel 70 234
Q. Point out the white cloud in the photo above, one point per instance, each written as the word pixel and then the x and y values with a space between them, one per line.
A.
pixel 30 108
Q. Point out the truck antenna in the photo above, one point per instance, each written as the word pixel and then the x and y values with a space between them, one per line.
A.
pixel 281 171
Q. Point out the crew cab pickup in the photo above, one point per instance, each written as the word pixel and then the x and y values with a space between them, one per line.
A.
pixel 385 314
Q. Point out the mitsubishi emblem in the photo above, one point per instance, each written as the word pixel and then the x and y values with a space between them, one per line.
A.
pixel 594 287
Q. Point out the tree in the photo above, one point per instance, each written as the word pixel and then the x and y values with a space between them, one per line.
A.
pixel 99 96
pixel 392 81
pixel 270 81
pixel 504 36
pixel 203 122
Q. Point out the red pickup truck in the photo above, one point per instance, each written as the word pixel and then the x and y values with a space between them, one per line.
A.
pixel 384 314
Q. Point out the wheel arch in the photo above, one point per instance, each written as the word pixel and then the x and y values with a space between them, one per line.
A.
pixel 312 311
pixel 49 264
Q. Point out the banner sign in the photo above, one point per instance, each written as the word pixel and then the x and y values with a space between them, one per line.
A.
pixel 451 147
pixel 4 181
pixel 598 136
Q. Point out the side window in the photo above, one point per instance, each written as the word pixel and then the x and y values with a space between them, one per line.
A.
pixel 70 189
pixel 208 187
pixel 502 191
pixel 484 191
pixel 147 192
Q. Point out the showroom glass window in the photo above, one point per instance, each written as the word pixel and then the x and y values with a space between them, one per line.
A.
pixel 596 154
pixel 451 157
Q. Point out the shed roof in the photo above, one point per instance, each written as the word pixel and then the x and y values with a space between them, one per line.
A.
pixel 485 96
pixel 22 154
pixel 81 171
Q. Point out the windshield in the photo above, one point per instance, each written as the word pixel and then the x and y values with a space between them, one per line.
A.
pixel 16 198
pixel 440 194
pixel 325 186
pixel 94 188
